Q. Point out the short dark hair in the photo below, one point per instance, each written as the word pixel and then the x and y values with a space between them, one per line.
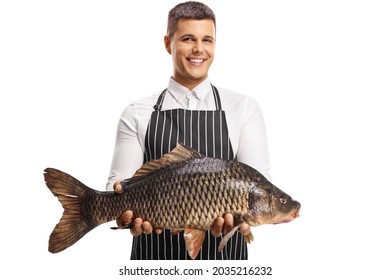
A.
pixel 188 10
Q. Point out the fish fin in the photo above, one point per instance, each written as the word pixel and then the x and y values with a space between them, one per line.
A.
pixel 227 236
pixel 194 240
pixel 73 225
pixel 249 237
pixel 176 231
pixel 129 226
pixel 178 155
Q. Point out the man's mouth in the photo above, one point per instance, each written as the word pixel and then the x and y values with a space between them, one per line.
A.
pixel 196 61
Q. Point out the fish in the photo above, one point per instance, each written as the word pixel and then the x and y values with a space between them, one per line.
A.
pixel 182 191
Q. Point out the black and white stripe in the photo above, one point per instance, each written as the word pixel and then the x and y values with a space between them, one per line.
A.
pixel 206 132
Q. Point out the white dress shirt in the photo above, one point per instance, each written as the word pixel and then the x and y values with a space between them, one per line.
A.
pixel 244 120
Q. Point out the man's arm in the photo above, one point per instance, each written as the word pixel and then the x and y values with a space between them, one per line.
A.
pixel 128 153
pixel 253 144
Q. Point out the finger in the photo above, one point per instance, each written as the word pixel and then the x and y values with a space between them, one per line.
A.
pixel 216 228
pixel 229 222
pixel 125 219
pixel 158 230
pixel 136 229
pixel 245 229
pixel 118 187
pixel 146 227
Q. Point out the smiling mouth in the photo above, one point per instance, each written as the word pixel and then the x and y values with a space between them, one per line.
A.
pixel 196 61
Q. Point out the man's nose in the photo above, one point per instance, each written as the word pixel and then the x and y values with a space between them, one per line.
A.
pixel 198 48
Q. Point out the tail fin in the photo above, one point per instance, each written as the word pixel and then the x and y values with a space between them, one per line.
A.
pixel 70 193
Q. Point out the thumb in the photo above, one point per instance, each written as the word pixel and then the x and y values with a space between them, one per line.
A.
pixel 118 187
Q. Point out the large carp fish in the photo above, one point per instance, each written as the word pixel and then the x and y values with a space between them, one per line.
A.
pixel 183 190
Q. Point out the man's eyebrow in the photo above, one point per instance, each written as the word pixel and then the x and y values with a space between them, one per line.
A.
pixel 186 36
pixel 193 36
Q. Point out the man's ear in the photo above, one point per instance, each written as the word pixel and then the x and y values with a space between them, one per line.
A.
pixel 167 42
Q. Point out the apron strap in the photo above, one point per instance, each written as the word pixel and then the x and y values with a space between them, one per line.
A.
pixel 217 99
pixel 160 100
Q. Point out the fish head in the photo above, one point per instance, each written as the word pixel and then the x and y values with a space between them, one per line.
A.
pixel 270 205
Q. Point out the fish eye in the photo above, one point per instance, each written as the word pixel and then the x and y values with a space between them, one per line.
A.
pixel 283 200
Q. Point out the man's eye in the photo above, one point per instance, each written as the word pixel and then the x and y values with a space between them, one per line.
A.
pixel 208 40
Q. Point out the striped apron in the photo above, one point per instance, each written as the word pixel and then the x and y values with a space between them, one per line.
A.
pixel 206 132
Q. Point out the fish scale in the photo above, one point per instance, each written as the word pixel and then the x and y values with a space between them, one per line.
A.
pixel 183 190
pixel 159 191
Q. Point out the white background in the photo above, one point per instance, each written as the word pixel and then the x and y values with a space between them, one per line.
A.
pixel 319 70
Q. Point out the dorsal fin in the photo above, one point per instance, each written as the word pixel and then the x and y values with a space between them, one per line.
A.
pixel 178 155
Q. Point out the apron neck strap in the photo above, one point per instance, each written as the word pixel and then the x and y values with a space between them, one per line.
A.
pixel 160 100
pixel 217 99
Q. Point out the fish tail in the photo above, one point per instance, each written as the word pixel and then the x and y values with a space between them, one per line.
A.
pixel 73 225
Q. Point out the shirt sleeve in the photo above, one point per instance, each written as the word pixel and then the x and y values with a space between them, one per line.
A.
pixel 128 153
pixel 253 145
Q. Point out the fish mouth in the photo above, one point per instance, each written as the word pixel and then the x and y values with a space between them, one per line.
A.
pixel 294 214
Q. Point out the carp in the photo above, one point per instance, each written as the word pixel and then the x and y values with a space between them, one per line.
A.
pixel 182 191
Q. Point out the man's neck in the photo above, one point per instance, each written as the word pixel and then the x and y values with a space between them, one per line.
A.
pixel 189 84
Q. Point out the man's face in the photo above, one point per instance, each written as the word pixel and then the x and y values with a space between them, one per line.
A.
pixel 192 49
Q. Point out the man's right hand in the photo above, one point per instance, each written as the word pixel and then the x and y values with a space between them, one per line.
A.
pixel 139 226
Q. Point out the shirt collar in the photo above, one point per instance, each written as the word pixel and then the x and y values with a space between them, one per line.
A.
pixel 180 92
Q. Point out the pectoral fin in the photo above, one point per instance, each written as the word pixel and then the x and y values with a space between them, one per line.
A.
pixel 129 226
pixel 249 237
pixel 194 240
pixel 176 231
pixel 228 235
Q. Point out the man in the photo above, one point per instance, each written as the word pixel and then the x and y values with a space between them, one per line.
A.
pixel 214 121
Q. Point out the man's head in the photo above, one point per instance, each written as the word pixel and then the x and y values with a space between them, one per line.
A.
pixel 190 40
pixel 188 10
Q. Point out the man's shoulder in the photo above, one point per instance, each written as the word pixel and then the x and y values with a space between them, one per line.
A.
pixel 148 99
pixel 145 101
pixel 141 106
pixel 233 97
pixel 238 104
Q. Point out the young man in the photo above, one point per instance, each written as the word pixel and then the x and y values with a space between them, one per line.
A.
pixel 214 121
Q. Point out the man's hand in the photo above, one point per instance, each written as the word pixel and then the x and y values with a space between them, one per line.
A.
pixel 139 226
pixel 225 224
